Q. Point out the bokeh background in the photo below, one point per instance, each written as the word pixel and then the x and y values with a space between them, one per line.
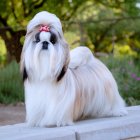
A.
pixel 110 28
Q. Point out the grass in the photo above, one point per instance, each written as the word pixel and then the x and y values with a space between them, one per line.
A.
pixel 11 87
pixel 125 70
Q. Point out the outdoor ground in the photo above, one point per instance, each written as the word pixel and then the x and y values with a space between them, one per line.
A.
pixel 12 114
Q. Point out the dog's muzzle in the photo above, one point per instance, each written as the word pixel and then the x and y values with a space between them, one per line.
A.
pixel 45 45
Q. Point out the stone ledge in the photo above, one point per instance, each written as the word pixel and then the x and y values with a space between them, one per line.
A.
pixel 113 128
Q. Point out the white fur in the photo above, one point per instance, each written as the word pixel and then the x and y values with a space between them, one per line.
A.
pixel 87 89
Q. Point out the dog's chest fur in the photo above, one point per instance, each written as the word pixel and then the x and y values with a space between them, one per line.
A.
pixel 45 100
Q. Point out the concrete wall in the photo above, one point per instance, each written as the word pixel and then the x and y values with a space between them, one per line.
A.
pixel 113 128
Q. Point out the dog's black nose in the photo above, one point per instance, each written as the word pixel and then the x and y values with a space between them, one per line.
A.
pixel 45 45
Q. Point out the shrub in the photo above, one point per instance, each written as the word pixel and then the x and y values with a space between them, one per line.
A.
pixel 11 87
pixel 126 72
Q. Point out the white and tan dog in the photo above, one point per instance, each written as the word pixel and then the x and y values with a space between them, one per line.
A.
pixel 62 86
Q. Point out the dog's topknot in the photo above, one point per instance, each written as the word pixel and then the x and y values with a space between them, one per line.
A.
pixel 44 18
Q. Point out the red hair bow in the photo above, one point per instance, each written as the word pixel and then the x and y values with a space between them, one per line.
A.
pixel 44 28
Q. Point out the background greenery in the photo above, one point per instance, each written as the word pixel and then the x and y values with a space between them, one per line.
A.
pixel 11 88
pixel 110 28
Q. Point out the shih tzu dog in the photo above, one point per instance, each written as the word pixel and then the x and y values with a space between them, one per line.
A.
pixel 62 86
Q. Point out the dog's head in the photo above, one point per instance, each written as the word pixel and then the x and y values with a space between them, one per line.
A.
pixel 45 52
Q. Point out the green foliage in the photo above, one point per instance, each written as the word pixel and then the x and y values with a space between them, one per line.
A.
pixel 124 51
pixel 11 88
pixel 72 38
pixel 126 72
pixel 115 22
pixel 2 53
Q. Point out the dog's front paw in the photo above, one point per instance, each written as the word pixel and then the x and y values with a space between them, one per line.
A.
pixel 64 123
pixel 55 124
pixel 119 112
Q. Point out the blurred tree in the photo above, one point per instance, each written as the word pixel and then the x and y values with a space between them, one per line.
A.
pixel 101 21
pixel 14 15
pixel 108 22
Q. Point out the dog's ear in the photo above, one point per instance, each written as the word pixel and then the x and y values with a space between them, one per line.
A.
pixel 23 68
pixel 62 73
pixel 24 74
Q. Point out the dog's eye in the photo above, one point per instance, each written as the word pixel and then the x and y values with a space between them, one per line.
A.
pixel 53 39
pixel 37 39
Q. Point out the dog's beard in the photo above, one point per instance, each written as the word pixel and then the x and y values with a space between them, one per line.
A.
pixel 44 63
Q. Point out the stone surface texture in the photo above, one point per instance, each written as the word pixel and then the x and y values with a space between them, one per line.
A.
pixel 113 128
